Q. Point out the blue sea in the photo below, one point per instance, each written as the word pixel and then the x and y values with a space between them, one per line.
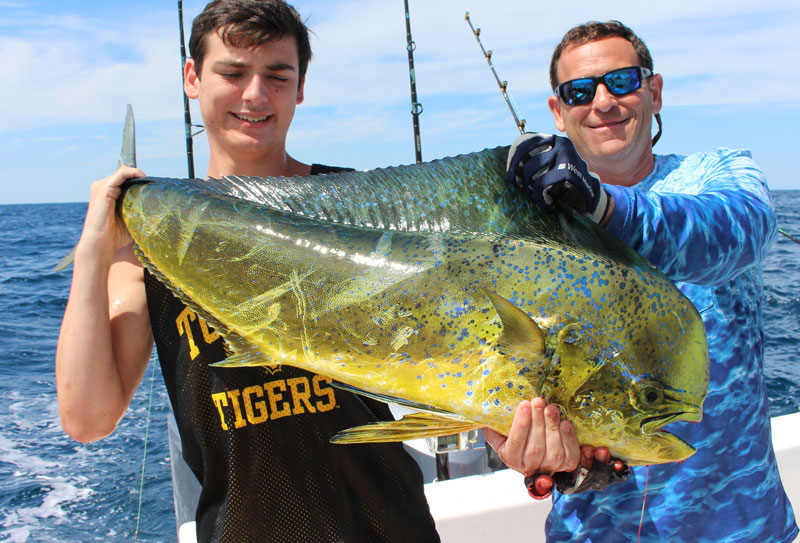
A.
pixel 57 490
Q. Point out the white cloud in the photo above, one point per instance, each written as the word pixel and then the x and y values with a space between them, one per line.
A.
pixel 71 69
pixel 74 68
pixel 70 72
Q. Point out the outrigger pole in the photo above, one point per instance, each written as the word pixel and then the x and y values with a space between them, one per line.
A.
pixel 187 117
pixel 502 84
pixel 416 107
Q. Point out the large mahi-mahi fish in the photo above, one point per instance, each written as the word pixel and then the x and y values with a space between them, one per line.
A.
pixel 436 286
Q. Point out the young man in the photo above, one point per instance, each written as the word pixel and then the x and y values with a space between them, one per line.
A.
pixel 256 438
pixel 707 221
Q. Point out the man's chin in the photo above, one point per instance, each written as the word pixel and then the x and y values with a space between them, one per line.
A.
pixel 606 149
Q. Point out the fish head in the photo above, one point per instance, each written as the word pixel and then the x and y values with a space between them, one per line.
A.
pixel 621 388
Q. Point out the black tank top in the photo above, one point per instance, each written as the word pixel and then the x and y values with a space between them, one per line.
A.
pixel 258 441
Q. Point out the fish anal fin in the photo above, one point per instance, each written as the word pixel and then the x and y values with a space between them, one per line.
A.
pixel 242 360
pixel 385 398
pixel 520 332
pixel 413 426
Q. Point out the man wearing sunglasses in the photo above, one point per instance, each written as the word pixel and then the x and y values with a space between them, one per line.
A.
pixel 707 221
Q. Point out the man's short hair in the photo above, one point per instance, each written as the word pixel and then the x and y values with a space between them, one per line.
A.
pixel 248 24
pixel 592 31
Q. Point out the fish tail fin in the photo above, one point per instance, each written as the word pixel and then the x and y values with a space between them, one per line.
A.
pixel 127 157
pixel 409 427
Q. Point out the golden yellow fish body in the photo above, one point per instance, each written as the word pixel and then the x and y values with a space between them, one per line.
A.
pixel 463 325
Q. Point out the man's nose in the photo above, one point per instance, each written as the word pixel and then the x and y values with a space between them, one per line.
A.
pixel 256 90
pixel 603 99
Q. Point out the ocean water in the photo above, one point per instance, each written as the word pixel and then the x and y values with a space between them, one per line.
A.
pixel 54 489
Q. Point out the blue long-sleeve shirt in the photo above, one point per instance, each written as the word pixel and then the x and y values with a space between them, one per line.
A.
pixel 707 222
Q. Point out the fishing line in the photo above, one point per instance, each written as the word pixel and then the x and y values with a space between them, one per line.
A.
pixel 644 500
pixel 144 454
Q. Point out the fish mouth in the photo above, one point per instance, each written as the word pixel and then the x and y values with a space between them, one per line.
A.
pixel 653 425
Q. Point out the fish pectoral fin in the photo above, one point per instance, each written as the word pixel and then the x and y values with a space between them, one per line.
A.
pixel 385 398
pixel 412 426
pixel 577 361
pixel 520 333
pixel 576 349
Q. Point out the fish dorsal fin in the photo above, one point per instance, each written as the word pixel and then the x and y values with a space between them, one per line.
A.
pixel 412 426
pixel 385 398
pixel 519 330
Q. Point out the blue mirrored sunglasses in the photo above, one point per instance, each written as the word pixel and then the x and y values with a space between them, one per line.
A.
pixel 619 82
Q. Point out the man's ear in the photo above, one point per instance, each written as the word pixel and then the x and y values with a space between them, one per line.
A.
pixel 655 85
pixel 555 109
pixel 300 95
pixel 191 82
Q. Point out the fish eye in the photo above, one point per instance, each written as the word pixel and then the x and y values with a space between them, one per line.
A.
pixel 651 396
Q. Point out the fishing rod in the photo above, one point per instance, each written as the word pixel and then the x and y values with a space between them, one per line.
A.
pixel 416 107
pixel 187 117
pixel 502 84
pixel 788 235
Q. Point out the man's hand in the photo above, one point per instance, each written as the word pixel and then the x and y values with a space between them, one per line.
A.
pixel 545 449
pixel 548 168
pixel 538 442
pixel 103 232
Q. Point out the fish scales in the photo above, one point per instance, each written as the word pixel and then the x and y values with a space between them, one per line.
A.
pixel 434 284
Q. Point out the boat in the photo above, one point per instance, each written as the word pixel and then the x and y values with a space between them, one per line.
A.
pixel 479 502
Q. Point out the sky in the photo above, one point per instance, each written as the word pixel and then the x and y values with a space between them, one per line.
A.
pixel 730 68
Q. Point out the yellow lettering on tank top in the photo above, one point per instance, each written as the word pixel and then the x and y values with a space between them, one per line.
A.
pixel 300 396
pixel 322 388
pixel 260 406
pixel 250 406
pixel 238 421
pixel 275 397
pixel 182 322
pixel 220 401
pixel 209 336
